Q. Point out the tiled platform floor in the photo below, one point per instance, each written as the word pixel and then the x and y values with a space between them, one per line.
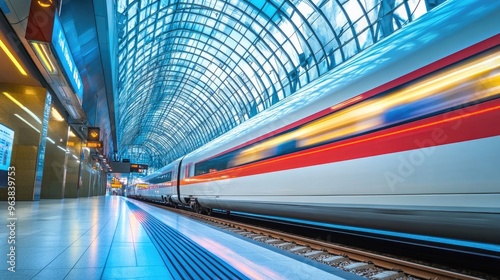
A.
pixel 100 238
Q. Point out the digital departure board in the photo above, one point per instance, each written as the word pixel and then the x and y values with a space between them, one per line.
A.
pixel 134 167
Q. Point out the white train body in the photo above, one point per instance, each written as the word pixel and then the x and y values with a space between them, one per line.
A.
pixel 425 165
pixel 161 185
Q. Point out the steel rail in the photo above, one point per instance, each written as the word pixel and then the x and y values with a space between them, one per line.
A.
pixel 388 263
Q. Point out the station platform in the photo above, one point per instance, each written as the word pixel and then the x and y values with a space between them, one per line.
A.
pixel 113 237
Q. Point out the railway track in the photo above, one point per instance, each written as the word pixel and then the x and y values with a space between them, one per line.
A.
pixel 367 264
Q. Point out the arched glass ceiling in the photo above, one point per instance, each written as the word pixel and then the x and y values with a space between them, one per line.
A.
pixel 190 70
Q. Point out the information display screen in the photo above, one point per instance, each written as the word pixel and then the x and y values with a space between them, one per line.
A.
pixel 138 167
pixel 6 142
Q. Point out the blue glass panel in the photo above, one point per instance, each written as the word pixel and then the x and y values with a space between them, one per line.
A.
pixel 61 48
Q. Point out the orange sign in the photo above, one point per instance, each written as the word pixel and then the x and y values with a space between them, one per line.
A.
pixel 94 144
pixel 93 134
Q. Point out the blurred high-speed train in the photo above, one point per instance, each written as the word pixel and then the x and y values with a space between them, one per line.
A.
pixel 404 137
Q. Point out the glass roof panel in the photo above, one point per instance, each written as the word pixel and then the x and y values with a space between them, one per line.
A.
pixel 190 70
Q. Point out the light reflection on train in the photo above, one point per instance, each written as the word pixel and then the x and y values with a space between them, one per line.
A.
pixel 418 152
pixel 471 83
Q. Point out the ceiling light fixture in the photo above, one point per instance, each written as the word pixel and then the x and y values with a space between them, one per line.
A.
pixel 41 52
pixel 12 58
pixel 56 115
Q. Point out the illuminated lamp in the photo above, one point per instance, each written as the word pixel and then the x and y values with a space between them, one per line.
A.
pixel 42 52
pixel 12 58
pixel 57 116
pixel 45 3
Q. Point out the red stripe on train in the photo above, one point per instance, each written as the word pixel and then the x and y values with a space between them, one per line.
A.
pixel 474 122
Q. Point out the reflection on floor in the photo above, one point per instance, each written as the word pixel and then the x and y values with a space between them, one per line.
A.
pixel 101 238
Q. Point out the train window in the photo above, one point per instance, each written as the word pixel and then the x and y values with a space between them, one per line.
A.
pixel 167 177
pixel 215 164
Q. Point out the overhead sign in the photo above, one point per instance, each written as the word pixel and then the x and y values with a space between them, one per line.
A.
pixel 134 167
pixel 40 22
pixel 93 134
pixel 61 48
pixel 44 31
pixel 4 7
pixel 94 144
pixel 120 167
